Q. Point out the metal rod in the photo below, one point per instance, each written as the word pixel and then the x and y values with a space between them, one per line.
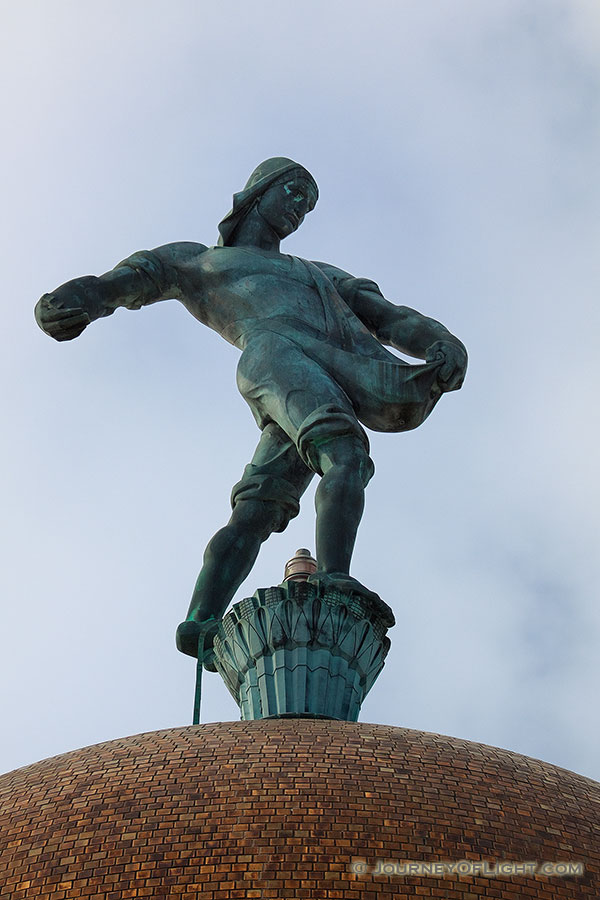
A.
pixel 198 692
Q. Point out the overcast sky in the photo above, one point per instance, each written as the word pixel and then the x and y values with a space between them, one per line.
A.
pixel 456 144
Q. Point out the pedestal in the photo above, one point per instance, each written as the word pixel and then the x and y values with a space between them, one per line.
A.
pixel 301 650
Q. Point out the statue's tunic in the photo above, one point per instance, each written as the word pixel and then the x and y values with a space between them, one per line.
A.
pixel 310 369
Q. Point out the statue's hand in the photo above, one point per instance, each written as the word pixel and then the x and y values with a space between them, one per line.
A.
pixel 452 373
pixel 61 322
pixel 65 312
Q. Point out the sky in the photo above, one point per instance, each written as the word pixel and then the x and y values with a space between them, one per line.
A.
pixel 456 147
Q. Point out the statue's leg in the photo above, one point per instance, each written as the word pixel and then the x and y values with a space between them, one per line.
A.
pixel 339 500
pixel 339 503
pixel 227 561
pixel 230 555
pixel 264 501
pixel 332 441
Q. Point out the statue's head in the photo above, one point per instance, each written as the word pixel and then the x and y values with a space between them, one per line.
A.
pixel 282 190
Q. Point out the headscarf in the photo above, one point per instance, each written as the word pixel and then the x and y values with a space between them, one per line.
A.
pixel 266 174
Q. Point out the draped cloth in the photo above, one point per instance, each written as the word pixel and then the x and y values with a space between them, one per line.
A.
pixel 292 366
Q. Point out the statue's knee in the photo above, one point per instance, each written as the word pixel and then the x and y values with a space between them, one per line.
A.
pixel 361 463
pixel 260 518
pixel 332 437
pixel 366 468
pixel 347 452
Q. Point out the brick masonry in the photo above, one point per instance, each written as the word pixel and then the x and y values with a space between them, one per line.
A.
pixel 280 808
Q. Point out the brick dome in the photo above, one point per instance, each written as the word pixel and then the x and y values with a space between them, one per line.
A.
pixel 281 807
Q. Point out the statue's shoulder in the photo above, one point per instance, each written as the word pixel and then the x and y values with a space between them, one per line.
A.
pixel 361 294
pixel 179 252
pixel 334 273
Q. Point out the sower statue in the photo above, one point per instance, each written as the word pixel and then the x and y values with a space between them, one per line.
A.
pixel 312 369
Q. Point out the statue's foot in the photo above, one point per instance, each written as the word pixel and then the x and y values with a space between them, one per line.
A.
pixel 350 585
pixel 188 637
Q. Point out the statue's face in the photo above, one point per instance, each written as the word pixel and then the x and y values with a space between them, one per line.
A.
pixel 284 205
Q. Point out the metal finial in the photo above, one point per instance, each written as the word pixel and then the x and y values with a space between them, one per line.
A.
pixel 300 566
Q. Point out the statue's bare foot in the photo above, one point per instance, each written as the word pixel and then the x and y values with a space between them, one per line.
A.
pixel 350 585
pixel 188 637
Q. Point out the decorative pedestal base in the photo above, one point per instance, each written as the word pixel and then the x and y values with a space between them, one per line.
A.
pixel 301 650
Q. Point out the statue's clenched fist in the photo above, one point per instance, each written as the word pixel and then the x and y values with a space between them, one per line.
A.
pixel 65 312
pixel 454 357
pixel 63 324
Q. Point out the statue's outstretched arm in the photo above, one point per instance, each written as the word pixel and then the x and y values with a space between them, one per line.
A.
pixel 143 278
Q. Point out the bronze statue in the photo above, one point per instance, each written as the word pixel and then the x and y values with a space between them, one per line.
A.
pixel 312 369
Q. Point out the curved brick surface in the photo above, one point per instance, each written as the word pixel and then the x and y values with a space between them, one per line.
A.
pixel 279 808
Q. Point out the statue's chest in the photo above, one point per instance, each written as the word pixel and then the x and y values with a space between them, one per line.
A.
pixel 234 263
